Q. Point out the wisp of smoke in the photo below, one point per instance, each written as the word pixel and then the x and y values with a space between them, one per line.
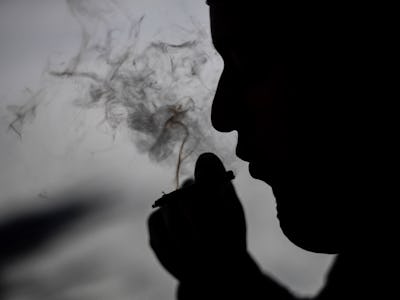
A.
pixel 24 113
pixel 157 92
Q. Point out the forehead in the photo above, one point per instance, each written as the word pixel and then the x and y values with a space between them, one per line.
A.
pixel 261 31
pixel 279 23
pixel 322 42
pixel 257 28
pixel 228 21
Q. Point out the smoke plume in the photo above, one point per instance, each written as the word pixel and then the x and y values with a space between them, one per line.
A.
pixel 160 91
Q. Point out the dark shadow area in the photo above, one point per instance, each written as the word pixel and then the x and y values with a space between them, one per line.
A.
pixel 28 233
pixel 24 234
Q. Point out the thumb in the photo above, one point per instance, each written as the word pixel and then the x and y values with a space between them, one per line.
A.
pixel 213 180
pixel 223 210
pixel 209 169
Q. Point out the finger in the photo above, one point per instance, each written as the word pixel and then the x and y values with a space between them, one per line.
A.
pixel 222 209
pixel 188 182
pixel 163 246
pixel 158 234
pixel 210 174
pixel 178 223
pixel 209 169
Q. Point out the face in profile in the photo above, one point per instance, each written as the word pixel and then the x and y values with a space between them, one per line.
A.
pixel 285 90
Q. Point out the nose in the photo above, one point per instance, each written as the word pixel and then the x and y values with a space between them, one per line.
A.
pixel 224 112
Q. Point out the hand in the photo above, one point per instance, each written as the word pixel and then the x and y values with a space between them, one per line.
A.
pixel 202 233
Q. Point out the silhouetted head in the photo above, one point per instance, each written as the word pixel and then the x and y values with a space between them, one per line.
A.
pixel 296 86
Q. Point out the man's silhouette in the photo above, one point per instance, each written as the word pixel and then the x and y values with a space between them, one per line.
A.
pixel 304 87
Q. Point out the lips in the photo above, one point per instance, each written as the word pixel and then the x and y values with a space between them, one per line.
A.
pixel 257 171
pixel 271 172
pixel 243 157
pixel 242 154
pixel 253 171
pixel 262 162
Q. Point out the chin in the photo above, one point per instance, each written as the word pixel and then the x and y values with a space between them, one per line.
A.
pixel 302 219
pixel 264 172
pixel 309 240
pixel 305 225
